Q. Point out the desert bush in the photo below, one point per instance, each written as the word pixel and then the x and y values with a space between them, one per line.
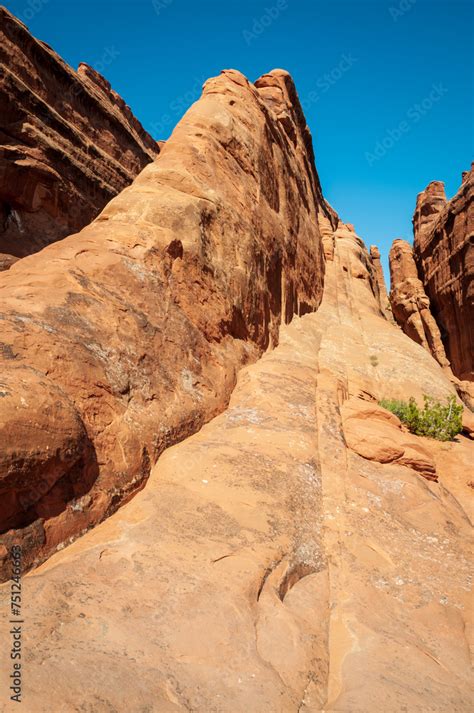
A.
pixel 436 420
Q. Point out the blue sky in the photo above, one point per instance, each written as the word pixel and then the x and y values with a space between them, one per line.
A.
pixel 387 85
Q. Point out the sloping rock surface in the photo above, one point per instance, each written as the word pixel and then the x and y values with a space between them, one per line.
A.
pixel 127 337
pixel 68 143
pixel 267 566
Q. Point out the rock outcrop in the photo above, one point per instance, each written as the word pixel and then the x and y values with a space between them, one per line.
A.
pixel 410 303
pixel 68 143
pixel 268 565
pixel 444 255
pixel 127 337
pixel 376 434
pixel 382 287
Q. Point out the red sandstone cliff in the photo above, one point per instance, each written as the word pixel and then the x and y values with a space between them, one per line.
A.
pixel 295 549
pixel 68 143
pixel 444 255
pixel 125 338
pixel 410 304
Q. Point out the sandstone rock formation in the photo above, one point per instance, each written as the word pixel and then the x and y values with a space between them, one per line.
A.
pixel 192 383
pixel 410 304
pixel 366 267
pixel 68 143
pixel 444 255
pixel 378 435
pixel 127 337
pixel 266 566
pixel 382 288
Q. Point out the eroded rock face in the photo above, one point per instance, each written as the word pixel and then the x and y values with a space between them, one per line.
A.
pixel 429 204
pixel 382 288
pixel 68 143
pixel 363 267
pixel 410 303
pixel 143 319
pixel 444 255
pixel 45 460
pixel 267 566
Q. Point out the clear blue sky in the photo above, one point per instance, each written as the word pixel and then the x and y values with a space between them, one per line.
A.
pixel 387 85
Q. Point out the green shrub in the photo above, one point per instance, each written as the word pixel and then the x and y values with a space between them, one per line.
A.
pixel 435 420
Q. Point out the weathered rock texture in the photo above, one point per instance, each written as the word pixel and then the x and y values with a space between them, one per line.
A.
pixel 410 303
pixel 444 255
pixel 367 267
pixel 68 143
pixel 268 565
pixel 125 338
pixel 6 261
pixel 382 288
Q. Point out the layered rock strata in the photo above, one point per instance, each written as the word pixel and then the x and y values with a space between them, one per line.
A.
pixel 68 143
pixel 444 255
pixel 123 339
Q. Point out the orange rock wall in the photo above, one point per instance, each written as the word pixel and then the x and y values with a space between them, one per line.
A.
pixel 444 255
pixel 125 338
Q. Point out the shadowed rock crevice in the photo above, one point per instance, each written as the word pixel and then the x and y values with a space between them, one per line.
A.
pixel 48 465
pixel 295 574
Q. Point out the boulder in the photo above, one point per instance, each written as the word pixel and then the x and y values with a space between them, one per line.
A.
pixel 376 434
